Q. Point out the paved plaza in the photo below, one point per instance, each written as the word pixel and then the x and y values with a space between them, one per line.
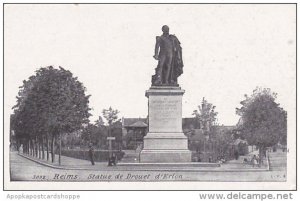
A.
pixel 24 169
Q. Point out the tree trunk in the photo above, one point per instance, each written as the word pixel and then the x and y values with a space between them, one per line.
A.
pixel 28 147
pixel 18 145
pixel 47 142
pixel 261 154
pixel 32 148
pixel 36 148
pixel 24 147
pixel 52 148
pixel 39 148
pixel 43 149
pixel 59 158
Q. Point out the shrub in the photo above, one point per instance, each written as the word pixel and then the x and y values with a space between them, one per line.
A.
pixel 100 155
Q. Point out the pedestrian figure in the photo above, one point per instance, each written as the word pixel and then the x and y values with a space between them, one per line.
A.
pixel 236 155
pixel 21 149
pixel 112 160
pixel 92 153
pixel 115 159
pixel 254 161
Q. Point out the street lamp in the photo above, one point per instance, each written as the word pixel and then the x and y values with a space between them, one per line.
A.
pixel 110 138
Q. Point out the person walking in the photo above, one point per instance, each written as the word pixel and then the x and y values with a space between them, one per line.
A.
pixel 236 154
pixel 254 161
pixel 112 160
pixel 92 154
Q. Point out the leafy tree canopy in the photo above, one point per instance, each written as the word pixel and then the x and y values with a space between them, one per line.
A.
pixel 51 101
pixel 263 122
pixel 206 115
pixel 110 115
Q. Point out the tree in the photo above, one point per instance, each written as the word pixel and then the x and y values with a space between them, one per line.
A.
pixel 263 122
pixel 224 137
pixel 99 122
pixel 96 134
pixel 102 132
pixel 90 134
pixel 110 115
pixel 207 116
pixel 49 104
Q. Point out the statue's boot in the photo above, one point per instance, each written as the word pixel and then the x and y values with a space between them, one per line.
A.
pixel 158 81
pixel 172 82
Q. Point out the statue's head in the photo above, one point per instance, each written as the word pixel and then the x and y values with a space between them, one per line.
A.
pixel 165 29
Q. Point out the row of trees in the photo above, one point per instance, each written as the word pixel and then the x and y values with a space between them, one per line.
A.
pixel 50 103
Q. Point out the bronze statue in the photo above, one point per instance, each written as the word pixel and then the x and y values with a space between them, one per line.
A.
pixel 169 55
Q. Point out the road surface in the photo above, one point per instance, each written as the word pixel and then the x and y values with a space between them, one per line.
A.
pixel 22 169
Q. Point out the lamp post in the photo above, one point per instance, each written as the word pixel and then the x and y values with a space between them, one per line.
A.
pixel 109 142
pixel 110 138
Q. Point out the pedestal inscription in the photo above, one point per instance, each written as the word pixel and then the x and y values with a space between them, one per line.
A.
pixel 163 114
pixel 165 141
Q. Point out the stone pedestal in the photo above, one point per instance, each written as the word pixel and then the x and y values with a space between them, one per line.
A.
pixel 165 141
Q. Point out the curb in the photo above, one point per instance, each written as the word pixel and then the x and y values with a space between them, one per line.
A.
pixel 40 162
pixel 154 169
pixel 53 166
pixel 190 164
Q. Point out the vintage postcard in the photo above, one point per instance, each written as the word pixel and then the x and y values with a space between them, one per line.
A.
pixel 149 96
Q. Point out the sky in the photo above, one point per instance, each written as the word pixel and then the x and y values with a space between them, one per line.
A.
pixel 228 50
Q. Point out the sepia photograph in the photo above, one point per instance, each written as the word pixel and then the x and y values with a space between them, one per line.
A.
pixel 149 96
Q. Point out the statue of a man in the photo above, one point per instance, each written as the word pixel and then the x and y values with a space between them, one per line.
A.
pixel 169 55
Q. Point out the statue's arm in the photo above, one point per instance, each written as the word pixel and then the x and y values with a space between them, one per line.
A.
pixel 156 47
